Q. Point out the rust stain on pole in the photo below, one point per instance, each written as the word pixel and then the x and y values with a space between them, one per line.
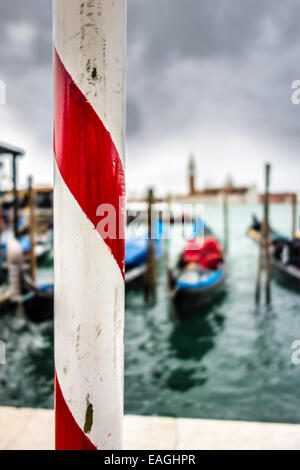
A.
pixel 89 416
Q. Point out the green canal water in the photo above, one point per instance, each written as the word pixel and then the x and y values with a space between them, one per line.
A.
pixel 232 361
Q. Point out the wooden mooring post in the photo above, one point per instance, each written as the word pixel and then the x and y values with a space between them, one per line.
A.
pixel 15 153
pixel 264 246
pixel 294 215
pixel 150 278
pixel 1 222
pixel 32 226
pixel 226 221
pixel 167 244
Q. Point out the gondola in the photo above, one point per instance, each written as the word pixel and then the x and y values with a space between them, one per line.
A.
pixel 136 255
pixel 201 270
pixel 285 254
pixel 37 300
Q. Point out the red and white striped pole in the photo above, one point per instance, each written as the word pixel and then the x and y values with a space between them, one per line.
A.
pixel 89 64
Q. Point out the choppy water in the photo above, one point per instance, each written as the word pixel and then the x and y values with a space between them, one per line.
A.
pixel 231 362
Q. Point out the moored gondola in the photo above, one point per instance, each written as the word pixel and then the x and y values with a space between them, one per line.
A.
pixel 37 300
pixel 200 272
pixel 136 255
pixel 285 255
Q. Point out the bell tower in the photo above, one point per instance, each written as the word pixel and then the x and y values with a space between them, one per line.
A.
pixel 192 176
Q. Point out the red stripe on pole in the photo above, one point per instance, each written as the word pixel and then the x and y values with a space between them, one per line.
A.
pixel 86 156
pixel 68 435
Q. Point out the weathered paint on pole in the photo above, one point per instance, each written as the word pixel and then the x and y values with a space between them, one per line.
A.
pixel 89 65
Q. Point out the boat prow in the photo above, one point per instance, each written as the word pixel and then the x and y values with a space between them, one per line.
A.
pixel 195 281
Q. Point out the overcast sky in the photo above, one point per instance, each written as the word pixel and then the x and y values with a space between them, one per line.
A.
pixel 212 77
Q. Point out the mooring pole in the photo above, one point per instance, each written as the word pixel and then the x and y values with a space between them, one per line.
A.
pixel 264 245
pixel 259 274
pixel 16 196
pixel 266 234
pixel 294 215
pixel 15 265
pixel 1 221
pixel 32 224
pixel 151 265
pixel 89 130
pixel 226 221
pixel 167 241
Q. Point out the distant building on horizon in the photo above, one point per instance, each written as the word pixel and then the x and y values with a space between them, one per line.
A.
pixel 280 198
pixel 214 195
pixel 235 194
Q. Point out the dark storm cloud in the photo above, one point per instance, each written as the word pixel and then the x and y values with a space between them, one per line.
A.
pixel 222 37
pixel 197 29
pixel 193 66
pixel 222 66
pixel 35 14
pixel 25 66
